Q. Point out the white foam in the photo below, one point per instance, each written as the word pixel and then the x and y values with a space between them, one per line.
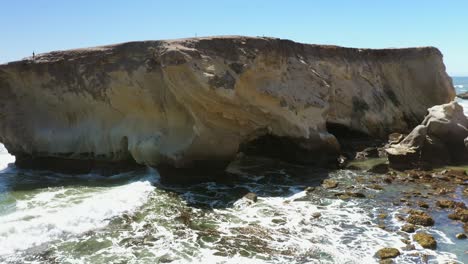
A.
pixel 48 215
pixel 5 157
pixel 459 86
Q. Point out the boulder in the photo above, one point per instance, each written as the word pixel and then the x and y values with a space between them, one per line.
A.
pixel 425 240
pixel 439 140
pixel 386 253
pixel 408 228
pixel 178 102
pixel 463 95
pixel 420 218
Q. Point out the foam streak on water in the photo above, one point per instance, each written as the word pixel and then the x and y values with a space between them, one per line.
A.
pixel 56 213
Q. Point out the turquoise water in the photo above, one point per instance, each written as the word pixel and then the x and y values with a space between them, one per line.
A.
pixel 132 217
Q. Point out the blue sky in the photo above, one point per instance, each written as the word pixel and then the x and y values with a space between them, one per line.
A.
pixel 43 26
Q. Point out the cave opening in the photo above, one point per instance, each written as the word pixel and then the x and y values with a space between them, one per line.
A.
pixel 292 150
pixel 352 141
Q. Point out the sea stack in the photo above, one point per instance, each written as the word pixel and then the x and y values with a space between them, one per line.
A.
pixel 178 102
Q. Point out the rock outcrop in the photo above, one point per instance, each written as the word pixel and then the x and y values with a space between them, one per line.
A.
pixel 463 95
pixel 181 101
pixel 441 139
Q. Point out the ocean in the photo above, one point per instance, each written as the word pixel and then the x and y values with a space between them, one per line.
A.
pixel 132 217
pixel 461 86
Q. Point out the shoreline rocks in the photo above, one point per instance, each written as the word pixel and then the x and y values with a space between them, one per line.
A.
pixel 177 102
pixel 387 253
pixel 439 140
pixel 463 95
pixel 425 240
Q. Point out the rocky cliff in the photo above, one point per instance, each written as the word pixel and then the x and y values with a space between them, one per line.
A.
pixel 180 101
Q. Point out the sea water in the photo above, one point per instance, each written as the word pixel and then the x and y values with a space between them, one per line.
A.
pixel 132 217
pixel 461 86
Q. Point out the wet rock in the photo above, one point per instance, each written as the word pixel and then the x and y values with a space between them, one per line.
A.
pixel 461 236
pixel 329 184
pixel 463 95
pixel 408 228
pixel 386 261
pixel 425 240
pixel 383 216
pixel 395 138
pixel 459 214
pixel 370 152
pixel 423 204
pixel 316 215
pixel 309 189
pixel 388 179
pixel 409 247
pixel 278 221
pixel 386 253
pixel 347 195
pixel 379 168
pixel 450 204
pixel 251 196
pixel 376 187
pixel 420 218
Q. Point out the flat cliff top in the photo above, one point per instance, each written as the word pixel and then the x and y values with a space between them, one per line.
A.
pixel 223 45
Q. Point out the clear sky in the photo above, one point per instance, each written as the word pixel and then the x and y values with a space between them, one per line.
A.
pixel 41 26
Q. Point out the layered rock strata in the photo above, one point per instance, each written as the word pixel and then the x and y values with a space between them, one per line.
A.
pixel 182 101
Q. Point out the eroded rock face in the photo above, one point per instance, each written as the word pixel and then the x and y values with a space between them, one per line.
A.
pixel 180 101
pixel 439 140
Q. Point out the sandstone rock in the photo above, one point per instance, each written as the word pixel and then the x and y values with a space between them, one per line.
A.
pixel 386 253
pixel 439 140
pixel 395 138
pixel 181 101
pixel 425 240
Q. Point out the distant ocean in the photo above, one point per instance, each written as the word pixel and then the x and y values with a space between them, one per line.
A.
pixel 461 86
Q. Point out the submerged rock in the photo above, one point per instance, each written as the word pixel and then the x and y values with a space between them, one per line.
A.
pixel 450 204
pixel 386 253
pixel 425 240
pixel 460 214
pixel 177 102
pixel 439 140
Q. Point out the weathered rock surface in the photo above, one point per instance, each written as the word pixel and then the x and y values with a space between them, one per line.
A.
pixel 425 240
pixel 440 139
pixel 181 101
pixel 386 253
